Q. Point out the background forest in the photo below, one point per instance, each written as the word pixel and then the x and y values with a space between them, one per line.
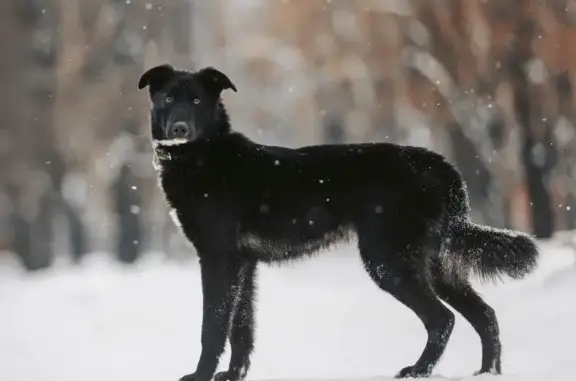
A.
pixel 489 83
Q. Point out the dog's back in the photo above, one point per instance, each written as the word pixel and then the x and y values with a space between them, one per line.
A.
pixel 311 197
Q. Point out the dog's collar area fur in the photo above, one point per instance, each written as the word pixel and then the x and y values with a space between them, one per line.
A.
pixel 180 149
pixel 169 142
pixel 172 149
pixel 163 147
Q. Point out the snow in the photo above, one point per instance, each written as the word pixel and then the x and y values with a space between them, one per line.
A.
pixel 317 320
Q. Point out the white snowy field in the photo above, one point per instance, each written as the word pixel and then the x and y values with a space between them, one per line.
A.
pixel 317 320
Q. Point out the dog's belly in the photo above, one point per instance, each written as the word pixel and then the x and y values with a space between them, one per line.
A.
pixel 289 246
pixel 291 230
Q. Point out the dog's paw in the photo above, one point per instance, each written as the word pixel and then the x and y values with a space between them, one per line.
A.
pixel 492 371
pixel 224 376
pixel 228 375
pixel 413 372
pixel 189 377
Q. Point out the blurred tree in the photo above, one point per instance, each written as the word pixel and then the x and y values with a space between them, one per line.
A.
pixel 31 147
pixel 34 182
pixel 489 83
pixel 108 46
pixel 538 151
pixel 127 204
pixel 334 131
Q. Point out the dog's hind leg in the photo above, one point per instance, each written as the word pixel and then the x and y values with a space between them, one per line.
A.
pixel 403 274
pixel 462 297
pixel 242 332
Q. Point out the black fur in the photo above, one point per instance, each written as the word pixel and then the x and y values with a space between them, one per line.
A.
pixel 240 203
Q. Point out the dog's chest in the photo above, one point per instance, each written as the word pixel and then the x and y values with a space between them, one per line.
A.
pixel 182 195
pixel 182 187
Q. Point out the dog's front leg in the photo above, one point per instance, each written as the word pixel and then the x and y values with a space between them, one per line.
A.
pixel 242 330
pixel 220 280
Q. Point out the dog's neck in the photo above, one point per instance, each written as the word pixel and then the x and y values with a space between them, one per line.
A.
pixel 180 155
pixel 176 149
pixel 188 154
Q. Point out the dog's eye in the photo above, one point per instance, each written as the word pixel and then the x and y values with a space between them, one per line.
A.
pixel 196 101
pixel 168 99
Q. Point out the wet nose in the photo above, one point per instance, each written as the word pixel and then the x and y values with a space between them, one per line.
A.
pixel 180 129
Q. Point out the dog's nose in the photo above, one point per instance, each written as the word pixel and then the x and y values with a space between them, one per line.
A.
pixel 180 129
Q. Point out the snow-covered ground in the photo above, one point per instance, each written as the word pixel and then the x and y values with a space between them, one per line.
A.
pixel 317 320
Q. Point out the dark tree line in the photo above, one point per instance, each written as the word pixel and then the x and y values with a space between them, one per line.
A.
pixel 68 93
pixel 489 83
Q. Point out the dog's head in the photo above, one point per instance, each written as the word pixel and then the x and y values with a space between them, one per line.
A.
pixel 185 105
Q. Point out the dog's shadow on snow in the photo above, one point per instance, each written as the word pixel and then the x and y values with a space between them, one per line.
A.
pixel 435 377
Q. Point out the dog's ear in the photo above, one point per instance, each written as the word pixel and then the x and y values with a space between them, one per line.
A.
pixel 156 77
pixel 215 81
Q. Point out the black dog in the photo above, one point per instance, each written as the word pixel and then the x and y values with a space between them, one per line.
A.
pixel 241 203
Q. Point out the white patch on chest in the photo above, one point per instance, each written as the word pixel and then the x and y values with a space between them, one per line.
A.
pixel 174 215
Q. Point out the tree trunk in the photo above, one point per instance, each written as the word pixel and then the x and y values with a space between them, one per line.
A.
pixel 30 84
pixel 476 175
pixel 334 132
pixel 128 202
pixel 535 144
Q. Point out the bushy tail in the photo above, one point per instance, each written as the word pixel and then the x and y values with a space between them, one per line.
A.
pixel 488 253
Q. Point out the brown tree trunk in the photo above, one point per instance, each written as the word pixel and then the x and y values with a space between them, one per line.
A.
pixel 535 133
